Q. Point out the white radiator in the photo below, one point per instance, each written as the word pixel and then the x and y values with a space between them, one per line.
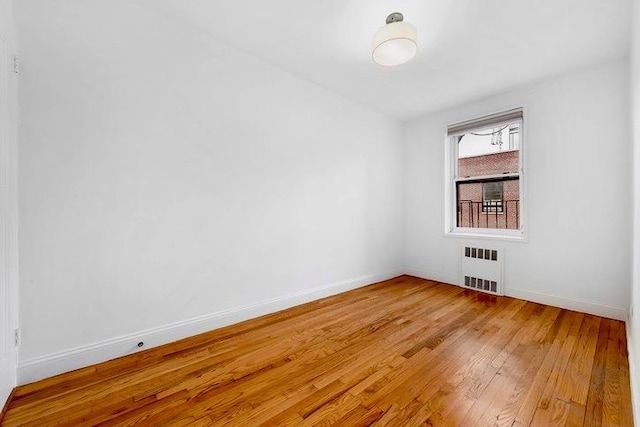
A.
pixel 482 269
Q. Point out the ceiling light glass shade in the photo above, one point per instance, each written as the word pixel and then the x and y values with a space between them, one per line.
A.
pixel 395 43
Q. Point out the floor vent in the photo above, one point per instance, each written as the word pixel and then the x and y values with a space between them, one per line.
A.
pixel 481 269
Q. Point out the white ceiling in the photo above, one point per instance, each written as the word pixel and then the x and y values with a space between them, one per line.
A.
pixel 467 48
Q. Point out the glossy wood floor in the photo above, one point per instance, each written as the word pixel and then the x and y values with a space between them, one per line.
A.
pixel 402 352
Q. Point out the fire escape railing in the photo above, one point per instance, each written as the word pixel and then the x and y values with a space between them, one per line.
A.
pixel 489 214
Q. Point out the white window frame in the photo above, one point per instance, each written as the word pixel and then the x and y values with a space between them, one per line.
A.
pixel 451 169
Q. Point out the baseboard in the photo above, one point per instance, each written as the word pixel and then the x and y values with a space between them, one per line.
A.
pixel 634 377
pixel 542 298
pixel 574 304
pixel 56 363
pixel 5 406
pixel 431 275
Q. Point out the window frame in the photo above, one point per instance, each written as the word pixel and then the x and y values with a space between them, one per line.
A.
pixel 451 180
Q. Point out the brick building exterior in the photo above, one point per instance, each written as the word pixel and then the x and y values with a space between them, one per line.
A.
pixel 490 203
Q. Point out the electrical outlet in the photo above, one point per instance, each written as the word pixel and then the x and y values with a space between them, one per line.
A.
pixel 16 337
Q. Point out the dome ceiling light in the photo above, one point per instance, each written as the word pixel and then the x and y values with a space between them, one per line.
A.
pixel 395 43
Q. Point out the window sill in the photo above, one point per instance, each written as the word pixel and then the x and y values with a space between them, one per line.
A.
pixel 487 234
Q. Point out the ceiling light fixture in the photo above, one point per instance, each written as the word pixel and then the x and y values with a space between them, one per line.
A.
pixel 395 43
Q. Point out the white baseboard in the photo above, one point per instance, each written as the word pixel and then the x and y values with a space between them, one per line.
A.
pixel 7 382
pixel 575 304
pixel 634 376
pixel 56 363
pixel 431 275
pixel 4 399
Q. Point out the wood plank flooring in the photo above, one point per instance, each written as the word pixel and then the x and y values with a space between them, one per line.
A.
pixel 400 353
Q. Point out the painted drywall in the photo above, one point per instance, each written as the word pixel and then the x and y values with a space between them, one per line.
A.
pixel 578 171
pixel 633 325
pixel 8 203
pixel 166 176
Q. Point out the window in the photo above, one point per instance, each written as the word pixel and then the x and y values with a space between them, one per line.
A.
pixel 485 176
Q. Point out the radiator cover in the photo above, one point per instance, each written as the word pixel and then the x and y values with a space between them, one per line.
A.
pixel 481 269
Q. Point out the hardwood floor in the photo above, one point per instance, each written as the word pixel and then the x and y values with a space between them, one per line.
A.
pixel 402 352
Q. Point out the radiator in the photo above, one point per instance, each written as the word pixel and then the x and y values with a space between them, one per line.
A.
pixel 482 269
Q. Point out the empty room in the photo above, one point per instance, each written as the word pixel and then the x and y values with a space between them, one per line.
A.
pixel 301 213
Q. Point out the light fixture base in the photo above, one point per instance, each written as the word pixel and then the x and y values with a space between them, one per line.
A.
pixel 395 17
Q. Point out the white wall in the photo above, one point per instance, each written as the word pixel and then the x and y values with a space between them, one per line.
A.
pixel 8 203
pixel 165 177
pixel 578 168
pixel 633 326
